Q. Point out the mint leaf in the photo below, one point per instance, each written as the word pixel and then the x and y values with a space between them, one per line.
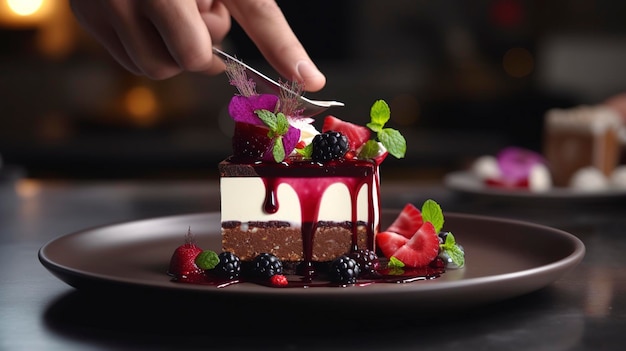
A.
pixel 379 114
pixel 278 126
pixel 207 259
pixel 394 262
pixel 453 250
pixel 431 212
pixel 278 150
pixel 268 117
pixel 370 149
pixel 393 141
pixel 282 124
pixel 374 127
pixel 306 152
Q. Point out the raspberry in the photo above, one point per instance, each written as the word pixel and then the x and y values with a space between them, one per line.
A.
pixel 229 265
pixel 329 146
pixel 250 142
pixel 279 280
pixel 266 265
pixel 366 259
pixel 344 270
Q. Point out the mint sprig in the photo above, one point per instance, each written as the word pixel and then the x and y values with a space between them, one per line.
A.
pixel 453 250
pixel 207 259
pixel 431 212
pixel 279 126
pixel 306 151
pixel 369 149
pixel 394 262
pixel 392 140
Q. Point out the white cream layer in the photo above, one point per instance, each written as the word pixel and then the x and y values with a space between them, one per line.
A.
pixel 242 200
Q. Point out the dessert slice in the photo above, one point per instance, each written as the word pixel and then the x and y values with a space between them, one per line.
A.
pixel 299 210
pixel 584 136
pixel 293 192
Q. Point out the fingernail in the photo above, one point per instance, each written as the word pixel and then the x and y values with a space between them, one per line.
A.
pixel 308 71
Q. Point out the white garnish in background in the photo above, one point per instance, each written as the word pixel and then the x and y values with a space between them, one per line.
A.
pixel 486 167
pixel 589 179
pixel 618 177
pixel 539 178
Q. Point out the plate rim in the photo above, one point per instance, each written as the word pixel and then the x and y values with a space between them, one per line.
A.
pixel 554 269
pixel 457 181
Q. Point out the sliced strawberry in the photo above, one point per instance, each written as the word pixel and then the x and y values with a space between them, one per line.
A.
pixel 250 142
pixel 390 242
pixel 183 262
pixel 421 249
pixel 408 221
pixel 357 135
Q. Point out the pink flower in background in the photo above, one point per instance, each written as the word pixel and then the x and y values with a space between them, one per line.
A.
pixel 515 162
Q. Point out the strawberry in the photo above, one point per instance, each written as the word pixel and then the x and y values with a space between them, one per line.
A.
pixel 250 141
pixel 357 135
pixel 421 249
pixel 183 262
pixel 408 221
pixel 390 242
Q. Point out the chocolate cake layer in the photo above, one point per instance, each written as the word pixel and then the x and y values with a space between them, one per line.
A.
pixel 330 240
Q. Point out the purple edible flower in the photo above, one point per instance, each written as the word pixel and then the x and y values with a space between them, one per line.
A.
pixel 515 163
pixel 241 108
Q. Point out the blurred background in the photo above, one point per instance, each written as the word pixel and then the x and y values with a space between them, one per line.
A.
pixel 463 78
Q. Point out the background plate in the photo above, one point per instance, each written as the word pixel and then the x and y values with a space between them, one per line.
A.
pixel 467 183
pixel 505 258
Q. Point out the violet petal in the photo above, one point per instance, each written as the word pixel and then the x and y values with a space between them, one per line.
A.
pixel 241 108
pixel 515 162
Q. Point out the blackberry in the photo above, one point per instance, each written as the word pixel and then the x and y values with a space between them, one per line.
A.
pixel 442 237
pixel 229 265
pixel 344 270
pixel 329 146
pixel 366 259
pixel 266 265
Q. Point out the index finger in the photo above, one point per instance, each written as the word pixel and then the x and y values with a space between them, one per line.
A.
pixel 268 28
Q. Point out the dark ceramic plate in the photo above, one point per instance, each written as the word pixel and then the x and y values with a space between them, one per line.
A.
pixel 505 258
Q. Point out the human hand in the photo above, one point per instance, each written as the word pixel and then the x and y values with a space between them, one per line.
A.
pixel 163 38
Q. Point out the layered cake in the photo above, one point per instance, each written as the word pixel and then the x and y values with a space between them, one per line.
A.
pixel 581 137
pixel 294 192
pixel 299 210
pixel 301 207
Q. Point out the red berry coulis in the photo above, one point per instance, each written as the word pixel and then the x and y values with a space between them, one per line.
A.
pixel 310 180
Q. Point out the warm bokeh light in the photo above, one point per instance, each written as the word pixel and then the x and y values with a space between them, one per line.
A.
pixel 27 188
pixel 25 7
pixel 26 13
pixel 140 103
pixel 518 62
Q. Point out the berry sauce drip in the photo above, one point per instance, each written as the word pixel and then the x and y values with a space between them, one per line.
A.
pixel 310 196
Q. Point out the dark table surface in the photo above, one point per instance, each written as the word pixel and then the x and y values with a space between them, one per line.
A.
pixel 583 310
